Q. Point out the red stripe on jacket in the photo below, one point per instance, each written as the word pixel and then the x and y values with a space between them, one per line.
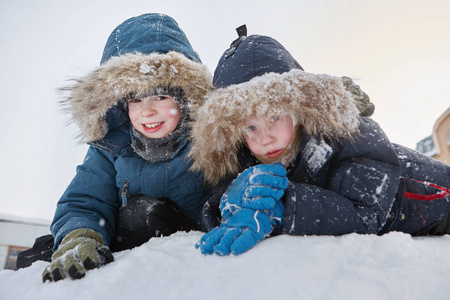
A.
pixel 441 195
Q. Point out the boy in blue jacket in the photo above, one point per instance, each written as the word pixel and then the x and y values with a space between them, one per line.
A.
pixel 310 163
pixel 134 111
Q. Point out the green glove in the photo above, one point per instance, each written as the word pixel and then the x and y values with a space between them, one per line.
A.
pixel 366 108
pixel 81 250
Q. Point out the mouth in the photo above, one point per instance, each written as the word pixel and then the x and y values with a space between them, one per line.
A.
pixel 274 154
pixel 152 127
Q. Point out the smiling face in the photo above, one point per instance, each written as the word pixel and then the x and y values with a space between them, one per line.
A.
pixel 268 138
pixel 155 116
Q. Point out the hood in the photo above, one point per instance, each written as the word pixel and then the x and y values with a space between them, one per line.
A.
pixel 141 55
pixel 252 56
pixel 319 102
pixel 147 34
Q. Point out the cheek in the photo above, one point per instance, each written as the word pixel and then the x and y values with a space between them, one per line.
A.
pixel 284 132
pixel 173 115
pixel 253 146
pixel 286 136
pixel 132 114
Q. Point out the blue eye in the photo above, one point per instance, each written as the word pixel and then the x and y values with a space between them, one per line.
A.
pixel 251 128
pixel 274 119
pixel 134 100
pixel 161 97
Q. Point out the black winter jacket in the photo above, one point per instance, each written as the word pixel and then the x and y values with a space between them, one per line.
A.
pixel 365 186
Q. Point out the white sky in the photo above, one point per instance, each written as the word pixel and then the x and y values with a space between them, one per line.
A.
pixel 398 52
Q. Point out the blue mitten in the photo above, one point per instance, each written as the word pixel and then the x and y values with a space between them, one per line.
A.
pixel 258 188
pixel 241 231
pixel 276 214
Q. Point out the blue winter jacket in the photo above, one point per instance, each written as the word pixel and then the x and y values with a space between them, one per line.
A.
pixel 141 55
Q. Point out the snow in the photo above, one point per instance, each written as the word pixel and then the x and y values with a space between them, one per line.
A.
pixel 317 153
pixel 173 112
pixel 393 266
pixel 145 69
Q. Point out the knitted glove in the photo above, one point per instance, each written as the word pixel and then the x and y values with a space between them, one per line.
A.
pixel 258 188
pixel 241 231
pixel 366 108
pixel 81 250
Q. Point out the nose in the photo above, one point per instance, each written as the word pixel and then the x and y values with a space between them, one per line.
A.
pixel 148 108
pixel 266 138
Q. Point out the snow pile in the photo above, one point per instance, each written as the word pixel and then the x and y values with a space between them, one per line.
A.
pixel 393 266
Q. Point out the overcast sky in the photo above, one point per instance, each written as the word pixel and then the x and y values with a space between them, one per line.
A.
pixel 397 51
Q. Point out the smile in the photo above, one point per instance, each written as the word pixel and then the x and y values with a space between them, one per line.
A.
pixel 153 125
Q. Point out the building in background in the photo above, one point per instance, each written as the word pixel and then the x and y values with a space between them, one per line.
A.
pixel 16 235
pixel 437 145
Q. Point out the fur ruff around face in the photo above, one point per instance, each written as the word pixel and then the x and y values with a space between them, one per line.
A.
pixel 320 103
pixel 94 94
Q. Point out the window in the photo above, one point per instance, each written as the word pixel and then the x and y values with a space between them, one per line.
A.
pixel 13 251
pixel 426 146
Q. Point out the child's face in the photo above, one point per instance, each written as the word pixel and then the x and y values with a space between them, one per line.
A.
pixel 155 116
pixel 269 137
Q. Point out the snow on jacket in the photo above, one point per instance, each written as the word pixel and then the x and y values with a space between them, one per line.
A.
pixel 141 54
pixel 347 176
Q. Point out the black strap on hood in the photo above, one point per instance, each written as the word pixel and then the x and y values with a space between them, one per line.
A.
pixel 242 35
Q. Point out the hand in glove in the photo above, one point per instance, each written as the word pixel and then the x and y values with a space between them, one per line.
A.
pixel 258 188
pixel 366 108
pixel 241 231
pixel 81 250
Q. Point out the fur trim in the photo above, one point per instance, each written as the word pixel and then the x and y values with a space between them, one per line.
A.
pixel 92 96
pixel 320 103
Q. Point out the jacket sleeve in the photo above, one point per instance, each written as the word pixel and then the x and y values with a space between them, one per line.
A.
pixel 211 216
pixel 361 182
pixel 91 200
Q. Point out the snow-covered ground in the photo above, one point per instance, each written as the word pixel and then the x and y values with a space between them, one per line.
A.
pixel 393 266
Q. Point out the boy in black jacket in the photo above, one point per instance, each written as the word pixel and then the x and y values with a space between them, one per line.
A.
pixel 313 165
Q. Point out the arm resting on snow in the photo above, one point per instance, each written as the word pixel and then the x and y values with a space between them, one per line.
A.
pixel 90 201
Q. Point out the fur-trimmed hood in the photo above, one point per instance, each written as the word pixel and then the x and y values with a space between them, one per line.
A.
pixel 320 103
pixel 141 55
